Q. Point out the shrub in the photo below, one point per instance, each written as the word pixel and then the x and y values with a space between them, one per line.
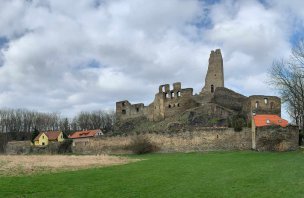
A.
pixel 142 145
pixel 65 146
pixel 238 125
pixel 238 121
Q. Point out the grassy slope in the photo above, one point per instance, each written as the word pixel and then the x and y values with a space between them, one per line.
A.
pixel 227 174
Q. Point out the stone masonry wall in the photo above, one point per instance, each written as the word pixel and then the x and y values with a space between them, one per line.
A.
pixel 18 147
pixel 201 139
pixel 274 138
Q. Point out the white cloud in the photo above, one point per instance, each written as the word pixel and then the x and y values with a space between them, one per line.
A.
pixel 70 56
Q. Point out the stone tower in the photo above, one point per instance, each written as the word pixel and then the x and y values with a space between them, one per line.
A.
pixel 215 73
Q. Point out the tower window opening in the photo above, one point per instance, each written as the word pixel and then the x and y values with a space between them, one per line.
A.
pixel 169 106
pixel 163 89
pixel 178 104
pixel 271 105
pixel 257 104
pixel 123 104
pixel 172 94
pixel 212 88
pixel 123 111
pixel 178 94
pixel 167 95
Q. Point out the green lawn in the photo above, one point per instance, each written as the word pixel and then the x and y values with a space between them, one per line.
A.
pixel 214 174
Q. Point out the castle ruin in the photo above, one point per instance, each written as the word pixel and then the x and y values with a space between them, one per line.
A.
pixel 214 99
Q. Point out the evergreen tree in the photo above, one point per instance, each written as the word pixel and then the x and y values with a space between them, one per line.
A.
pixel 35 133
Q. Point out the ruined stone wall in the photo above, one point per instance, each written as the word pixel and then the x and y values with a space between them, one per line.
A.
pixel 200 139
pixel 175 105
pixel 18 147
pixel 275 138
pixel 26 147
pixel 126 110
pixel 229 99
pixel 260 104
pixel 167 103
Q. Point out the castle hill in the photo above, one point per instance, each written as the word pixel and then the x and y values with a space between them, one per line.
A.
pixel 214 109
pixel 151 99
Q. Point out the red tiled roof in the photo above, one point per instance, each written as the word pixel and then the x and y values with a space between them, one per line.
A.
pixel 266 120
pixel 52 135
pixel 84 134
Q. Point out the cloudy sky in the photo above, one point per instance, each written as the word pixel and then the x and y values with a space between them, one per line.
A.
pixel 69 56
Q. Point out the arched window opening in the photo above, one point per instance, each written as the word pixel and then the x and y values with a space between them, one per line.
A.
pixel 178 104
pixel 167 95
pixel 178 94
pixel 163 89
pixel 172 94
pixel 123 104
pixel 137 109
pixel 169 106
pixel 266 100
pixel 212 88
pixel 257 104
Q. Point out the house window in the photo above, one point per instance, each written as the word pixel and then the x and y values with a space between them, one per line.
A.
pixel 212 88
pixel 266 100
pixel 257 104
pixel 267 121
pixel 123 111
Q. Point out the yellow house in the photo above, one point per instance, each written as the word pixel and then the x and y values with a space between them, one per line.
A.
pixel 44 138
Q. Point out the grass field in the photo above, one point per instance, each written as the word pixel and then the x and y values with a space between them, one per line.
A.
pixel 214 174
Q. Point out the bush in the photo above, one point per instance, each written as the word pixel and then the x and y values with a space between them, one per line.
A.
pixel 142 145
pixel 65 146
pixel 238 122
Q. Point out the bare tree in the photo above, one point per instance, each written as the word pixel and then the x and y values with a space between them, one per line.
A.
pixel 287 76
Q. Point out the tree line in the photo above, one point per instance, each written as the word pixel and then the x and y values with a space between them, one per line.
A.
pixel 22 120
pixel 19 124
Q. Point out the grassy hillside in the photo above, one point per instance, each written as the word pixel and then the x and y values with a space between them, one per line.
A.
pixel 215 174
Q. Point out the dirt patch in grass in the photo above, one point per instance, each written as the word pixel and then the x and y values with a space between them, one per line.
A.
pixel 13 165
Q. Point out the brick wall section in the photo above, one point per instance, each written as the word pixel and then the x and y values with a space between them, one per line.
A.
pixel 271 138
